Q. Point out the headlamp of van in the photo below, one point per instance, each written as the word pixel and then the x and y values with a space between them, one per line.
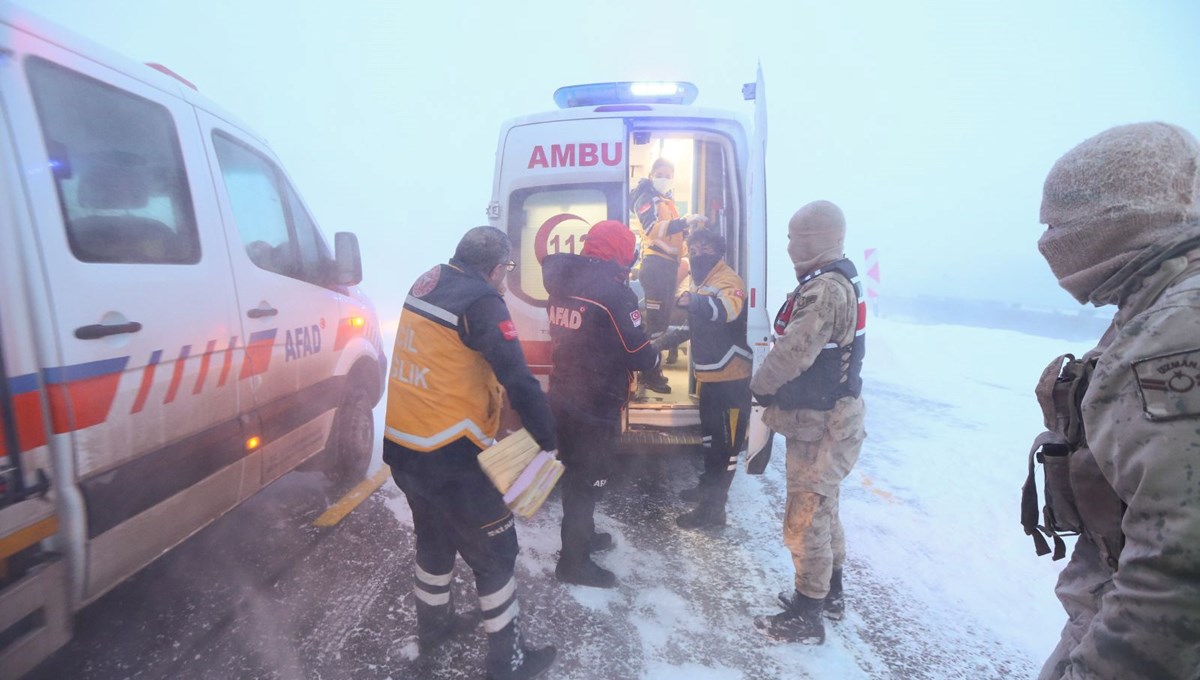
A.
pixel 639 92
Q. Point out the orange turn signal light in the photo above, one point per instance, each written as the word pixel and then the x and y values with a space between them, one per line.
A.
pixel 253 443
pixel 358 321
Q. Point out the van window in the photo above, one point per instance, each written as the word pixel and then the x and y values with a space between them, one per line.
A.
pixel 548 220
pixel 118 168
pixel 276 230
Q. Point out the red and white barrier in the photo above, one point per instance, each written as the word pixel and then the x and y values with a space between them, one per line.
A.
pixel 871 267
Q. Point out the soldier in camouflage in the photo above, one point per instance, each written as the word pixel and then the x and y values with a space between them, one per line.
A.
pixel 1123 228
pixel 810 384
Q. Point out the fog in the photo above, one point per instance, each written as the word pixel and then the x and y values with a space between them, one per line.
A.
pixel 931 124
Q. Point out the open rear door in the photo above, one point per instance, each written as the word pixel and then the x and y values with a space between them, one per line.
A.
pixel 758 444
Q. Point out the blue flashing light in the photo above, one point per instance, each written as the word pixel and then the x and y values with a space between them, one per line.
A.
pixel 642 92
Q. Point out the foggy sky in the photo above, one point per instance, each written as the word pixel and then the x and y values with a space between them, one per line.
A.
pixel 931 124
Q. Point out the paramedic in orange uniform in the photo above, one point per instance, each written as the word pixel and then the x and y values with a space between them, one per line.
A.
pixel 662 249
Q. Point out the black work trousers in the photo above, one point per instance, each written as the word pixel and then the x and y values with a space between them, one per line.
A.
pixel 724 421
pixel 458 511
pixel 585 447
pixel 659 277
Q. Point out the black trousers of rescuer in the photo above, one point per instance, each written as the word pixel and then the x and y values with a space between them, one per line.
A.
pixel 585 446
pixel 458 511
pixel 724 422
pixel 658 277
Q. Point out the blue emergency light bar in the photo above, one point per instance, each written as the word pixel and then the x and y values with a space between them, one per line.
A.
pixel 642 92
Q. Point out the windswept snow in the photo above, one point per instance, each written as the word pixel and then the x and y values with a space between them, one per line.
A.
pixel 941 581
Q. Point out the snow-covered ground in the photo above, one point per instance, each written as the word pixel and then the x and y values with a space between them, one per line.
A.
pixel 941 581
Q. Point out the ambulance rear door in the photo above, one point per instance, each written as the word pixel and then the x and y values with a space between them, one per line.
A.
pixel 758 329
pixel 557 179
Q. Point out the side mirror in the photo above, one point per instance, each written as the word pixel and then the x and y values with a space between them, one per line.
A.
pixel 347 259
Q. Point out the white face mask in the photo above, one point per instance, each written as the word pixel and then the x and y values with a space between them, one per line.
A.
pixel 661 184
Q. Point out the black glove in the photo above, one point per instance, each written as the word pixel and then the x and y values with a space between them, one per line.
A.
pixel 676 226
pixel 675 335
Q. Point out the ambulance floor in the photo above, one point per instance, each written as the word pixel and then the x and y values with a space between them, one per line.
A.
pixel 677 377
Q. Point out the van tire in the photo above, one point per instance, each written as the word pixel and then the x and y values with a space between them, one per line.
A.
pixel 353 438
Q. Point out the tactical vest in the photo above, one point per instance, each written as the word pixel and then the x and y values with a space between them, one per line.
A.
pixel 440 390
pixel 836 373
pixel 1079 500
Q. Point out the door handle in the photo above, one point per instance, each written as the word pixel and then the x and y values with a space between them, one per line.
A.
pixel 260 312
pixel 99 330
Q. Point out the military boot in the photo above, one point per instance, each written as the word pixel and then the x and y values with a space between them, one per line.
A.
pixel 834 606
pixel 690 495
pixel 584 572
pixel 707 515
pixel 835 602
pixel 509 659
pixel 438 623
pixel 800 622
pixel 601 541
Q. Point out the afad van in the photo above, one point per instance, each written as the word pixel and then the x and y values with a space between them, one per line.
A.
pixel 559 172
pixel 175 331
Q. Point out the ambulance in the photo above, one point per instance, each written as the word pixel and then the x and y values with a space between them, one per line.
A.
pixel 558 173
pixel 175 331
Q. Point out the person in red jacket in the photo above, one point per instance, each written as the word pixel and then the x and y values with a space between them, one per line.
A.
pixel 597 341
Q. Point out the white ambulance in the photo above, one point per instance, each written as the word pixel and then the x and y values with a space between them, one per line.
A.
pixel 558 173
pixel 175 331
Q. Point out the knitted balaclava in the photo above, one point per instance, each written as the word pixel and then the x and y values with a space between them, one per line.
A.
pixel 816 236
pixel 1113 195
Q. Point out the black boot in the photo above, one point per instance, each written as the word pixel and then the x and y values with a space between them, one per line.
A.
pixel 707 515
pixel 835 602
pixel 601 541
pixel 509 659
pixel 584 572
pixel 438 623
pixel 690 495
pixel 672 356
pixel 800 622
pixel 655 381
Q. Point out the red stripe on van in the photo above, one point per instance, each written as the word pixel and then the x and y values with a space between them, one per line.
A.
pixel 258 353
pixel 204 366
pixel 147 381
pixel 177 376
pixel 82 395
pixel 537 355
pixel 31 432
pixel 228 361
pixel 27 409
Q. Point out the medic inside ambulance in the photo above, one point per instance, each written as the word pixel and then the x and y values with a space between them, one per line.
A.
pixel 556 191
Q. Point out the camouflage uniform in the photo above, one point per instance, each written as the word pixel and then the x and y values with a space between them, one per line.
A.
pixel 1138 615
pixel 822 446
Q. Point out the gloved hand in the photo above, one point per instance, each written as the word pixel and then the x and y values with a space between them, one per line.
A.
pixel 683 224
pixel 674 335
